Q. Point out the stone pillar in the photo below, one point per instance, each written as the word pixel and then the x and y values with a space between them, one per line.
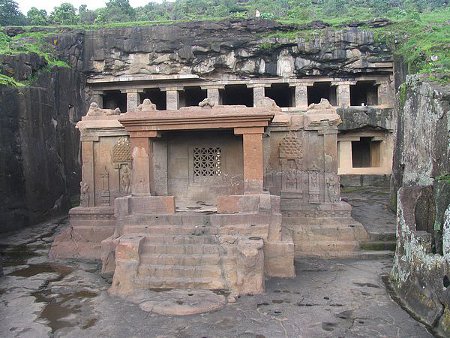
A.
pixel 172 99
pixel 141 150
pixel 301 96
pixel 213 94
pixel 385 94
pixel 97 97
pixel 330 148
pixel 345 157
pixel 258 95
pixel 343 94
pixel 253 159
pixel 133 99
pixel 88 171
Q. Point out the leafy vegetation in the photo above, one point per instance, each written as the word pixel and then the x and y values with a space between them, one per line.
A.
pixel 419 29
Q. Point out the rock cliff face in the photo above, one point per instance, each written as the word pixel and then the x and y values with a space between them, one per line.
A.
pixel 421 175
pixel 39 167
pixel 231 48
pixel 39 145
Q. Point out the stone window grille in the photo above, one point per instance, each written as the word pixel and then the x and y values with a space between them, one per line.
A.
pixel 207 162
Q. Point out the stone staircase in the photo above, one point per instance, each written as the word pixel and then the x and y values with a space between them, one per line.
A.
pixel 183 251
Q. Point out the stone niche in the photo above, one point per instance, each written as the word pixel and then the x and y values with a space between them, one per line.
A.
pixel 213 197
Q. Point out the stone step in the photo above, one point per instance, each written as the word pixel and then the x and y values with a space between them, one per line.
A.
pixel 183 260
pixel 364 254
pixel 169 230
pixel 337 234
pixel 320 248
pixel 181 218
pixel 174 271
pixel 379 245
pixel 179 283
pixel 382 236
pixel 186 249
pixel 181 239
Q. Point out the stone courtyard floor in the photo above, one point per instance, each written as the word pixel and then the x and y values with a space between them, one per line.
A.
pixel 328 298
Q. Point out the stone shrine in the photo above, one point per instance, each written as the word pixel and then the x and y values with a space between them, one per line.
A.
pixel 210 197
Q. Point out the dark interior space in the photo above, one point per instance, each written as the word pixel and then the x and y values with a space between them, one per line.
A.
pixel 192 96
pixel 364 93
pixel 157 97
pixel 237 94
pixel 115 99
pixel 361 157
pixel 322 90
pixel 282 94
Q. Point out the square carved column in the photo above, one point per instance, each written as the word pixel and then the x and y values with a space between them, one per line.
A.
pixel 258 95
pixel 141 151
pixel 343 94
pixel 133 99
pixel 253 159
pixel 345 157
pixel 213 94
pixel 172 99
pixel 301 96
pixel 88 172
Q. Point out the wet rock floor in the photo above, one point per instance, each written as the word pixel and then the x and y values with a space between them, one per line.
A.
pixel 328 298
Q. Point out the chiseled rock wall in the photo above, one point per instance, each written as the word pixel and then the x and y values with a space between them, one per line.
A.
pixel 421 273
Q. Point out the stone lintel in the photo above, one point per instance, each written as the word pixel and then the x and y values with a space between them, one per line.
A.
pixel 250 130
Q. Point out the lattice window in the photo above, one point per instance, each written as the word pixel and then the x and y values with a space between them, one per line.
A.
pixel 207 161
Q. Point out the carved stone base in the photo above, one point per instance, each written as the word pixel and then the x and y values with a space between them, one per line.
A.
pixel 89 226
pixel 325 230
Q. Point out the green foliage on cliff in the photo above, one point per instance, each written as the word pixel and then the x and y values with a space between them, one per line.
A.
pixel 419 30
pixel 26 43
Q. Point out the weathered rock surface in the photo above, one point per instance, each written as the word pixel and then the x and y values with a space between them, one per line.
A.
pixel 236 48
pixel 422 163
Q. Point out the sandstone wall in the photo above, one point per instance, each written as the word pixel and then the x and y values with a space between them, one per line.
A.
pixel 421 273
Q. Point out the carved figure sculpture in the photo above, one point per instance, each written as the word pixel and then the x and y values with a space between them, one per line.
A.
pixel 95 110
pixel 332 188
pixel 84 194
pixel 125 179
pixel 146 105
pixel 206 103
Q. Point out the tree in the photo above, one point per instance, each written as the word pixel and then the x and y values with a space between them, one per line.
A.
pixel 65 14
pixel 37 17
pixel 10 14
pixel 117 11
pixel 86 16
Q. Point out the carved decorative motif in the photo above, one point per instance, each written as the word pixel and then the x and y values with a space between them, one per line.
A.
pixel 314 187
pixel 207 161
pixel 291 147
pixel 105 195
pixel 332 184
pixel 84 194
pixel 121 152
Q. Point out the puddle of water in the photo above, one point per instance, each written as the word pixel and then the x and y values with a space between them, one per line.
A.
pixel 58 308
pixel 16 255
pixel 34 269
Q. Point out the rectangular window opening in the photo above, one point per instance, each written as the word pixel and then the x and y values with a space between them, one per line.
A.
pixel 282 94
pixel 366 153
pixel 322 90
pixel 157 97
pixel 237 95
pixel 113 99
pixel 364 93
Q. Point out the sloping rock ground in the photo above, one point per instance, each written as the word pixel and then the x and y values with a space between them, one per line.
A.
pixel 328 298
